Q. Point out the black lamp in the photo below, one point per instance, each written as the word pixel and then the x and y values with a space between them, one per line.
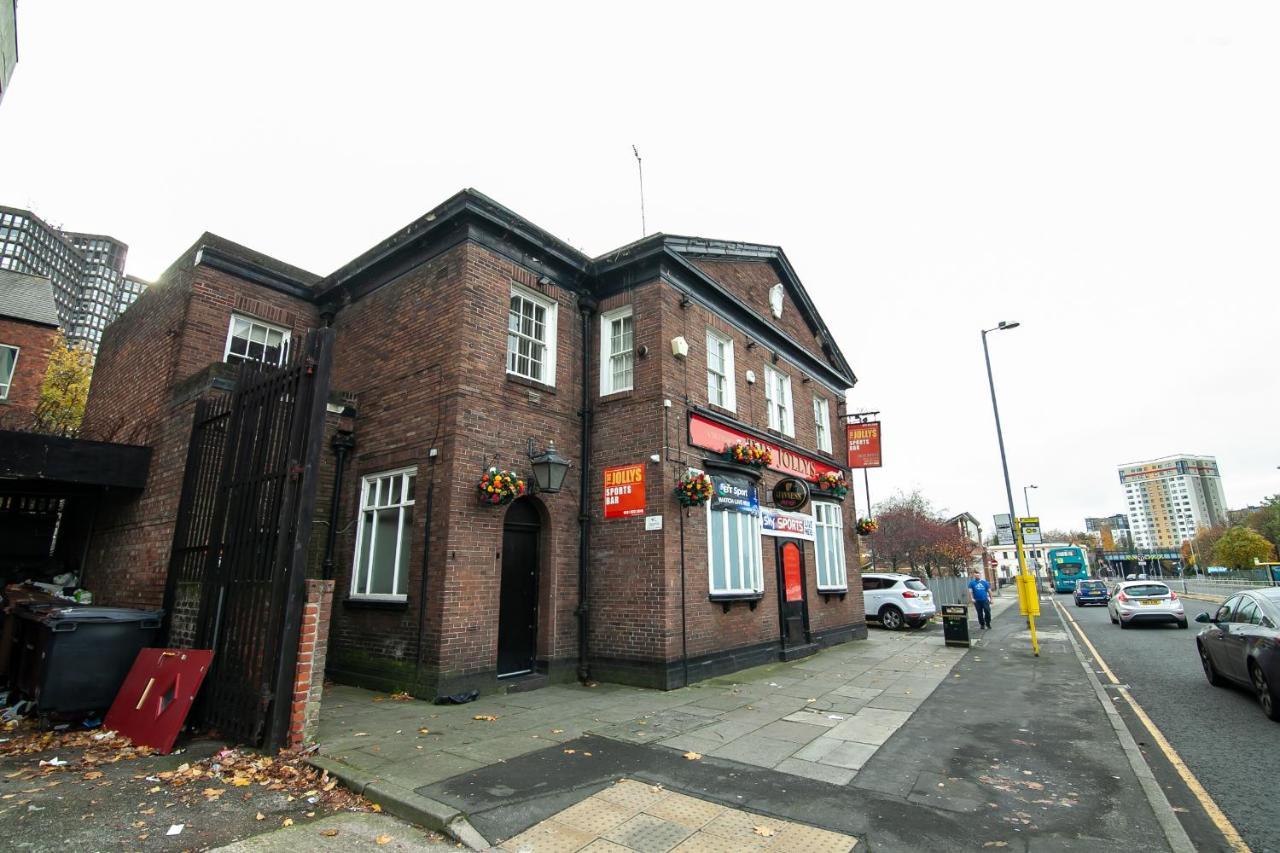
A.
pixel 549 468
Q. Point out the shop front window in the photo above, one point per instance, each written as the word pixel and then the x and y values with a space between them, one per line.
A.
pixel 733 549
pixel 829 546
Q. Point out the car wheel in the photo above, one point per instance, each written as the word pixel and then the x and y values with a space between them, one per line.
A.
pixel 1267 697
pixel 1078 604
pixel 1113 619
pixel 1123 625
pixel 1210 672
pixel 891 618
pixel 1182 624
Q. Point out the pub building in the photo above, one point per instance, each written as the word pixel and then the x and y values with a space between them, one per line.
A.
pixel 538 466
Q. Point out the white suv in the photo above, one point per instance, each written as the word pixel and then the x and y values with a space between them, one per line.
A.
pixel 896 600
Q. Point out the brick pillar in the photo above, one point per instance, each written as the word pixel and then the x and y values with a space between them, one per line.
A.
pixel 313 642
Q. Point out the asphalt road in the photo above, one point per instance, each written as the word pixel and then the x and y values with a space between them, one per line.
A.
pixel 1221 733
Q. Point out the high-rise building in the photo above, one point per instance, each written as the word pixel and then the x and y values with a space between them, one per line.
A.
pixel 1172 497
pixel 87 271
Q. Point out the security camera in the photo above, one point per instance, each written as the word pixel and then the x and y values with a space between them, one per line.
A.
pixel 655 457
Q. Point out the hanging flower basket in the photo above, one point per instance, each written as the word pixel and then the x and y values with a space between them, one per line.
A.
pixel 499 487
pixel 745 453
pixel 831 484
pixel 867 526
pixel 693 488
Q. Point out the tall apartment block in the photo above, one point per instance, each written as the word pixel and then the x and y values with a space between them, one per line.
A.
pixel 1170 498
pixel 87 271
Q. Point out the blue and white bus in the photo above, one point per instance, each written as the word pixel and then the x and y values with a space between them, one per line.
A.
pixel 1069 565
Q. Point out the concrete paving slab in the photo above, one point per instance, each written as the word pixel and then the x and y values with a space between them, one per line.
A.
pixel 757 750
pixel 345 832
pixel 814 770
pixel 794 732
pixel 860 730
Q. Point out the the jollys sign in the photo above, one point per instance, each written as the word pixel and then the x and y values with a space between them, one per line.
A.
pixel 624 491
pixel 712 435
pixel 733 493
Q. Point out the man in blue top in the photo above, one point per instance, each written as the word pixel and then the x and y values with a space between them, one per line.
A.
pixel 980 592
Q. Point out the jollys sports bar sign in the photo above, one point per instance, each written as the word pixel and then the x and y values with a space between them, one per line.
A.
pixel 864 445
pixel 715 436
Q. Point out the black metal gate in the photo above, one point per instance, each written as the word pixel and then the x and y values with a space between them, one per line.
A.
pixel 238 562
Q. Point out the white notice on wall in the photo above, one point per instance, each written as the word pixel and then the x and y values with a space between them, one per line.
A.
pixel 653 522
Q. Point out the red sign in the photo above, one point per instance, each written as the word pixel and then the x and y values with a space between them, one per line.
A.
pixel 154 700
pixel 864 445
pixel 791 572
pixel 713 435
pixel 624 491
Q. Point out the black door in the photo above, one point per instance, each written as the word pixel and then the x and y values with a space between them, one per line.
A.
pixel 792 603
pixel 518 603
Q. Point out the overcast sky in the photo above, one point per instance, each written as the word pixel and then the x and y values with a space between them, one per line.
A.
pixel 1108 174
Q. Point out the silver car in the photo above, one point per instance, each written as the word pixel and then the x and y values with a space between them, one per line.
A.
pixel 1145 601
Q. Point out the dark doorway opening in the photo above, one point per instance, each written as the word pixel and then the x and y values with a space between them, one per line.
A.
pixel 518 598
pixel 793 607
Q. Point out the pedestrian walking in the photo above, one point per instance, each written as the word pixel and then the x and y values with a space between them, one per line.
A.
pixel 980 593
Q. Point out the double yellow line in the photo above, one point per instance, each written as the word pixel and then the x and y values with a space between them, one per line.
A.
pixel 1202 796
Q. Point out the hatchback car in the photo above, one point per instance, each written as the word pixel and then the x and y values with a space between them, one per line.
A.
pixel 1242 644
pixel 1091 592
pixel 1145 601
pixel 896 600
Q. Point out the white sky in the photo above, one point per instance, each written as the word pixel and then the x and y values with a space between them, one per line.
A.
pixel 1107 174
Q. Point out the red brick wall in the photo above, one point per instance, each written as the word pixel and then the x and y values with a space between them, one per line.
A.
pixel 35 343
pixel 308 688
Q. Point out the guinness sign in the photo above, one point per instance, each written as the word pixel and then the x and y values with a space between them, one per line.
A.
pixel 791 493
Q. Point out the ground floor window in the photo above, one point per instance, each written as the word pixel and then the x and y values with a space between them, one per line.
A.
pixel 733 551
pixel 829 545
pixel 383 535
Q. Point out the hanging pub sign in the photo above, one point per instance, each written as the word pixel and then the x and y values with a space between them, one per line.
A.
pixel 864 445
pixel 796 525
pixel 734 493
pixel 711 434
pixel 790 493
pixel 624 491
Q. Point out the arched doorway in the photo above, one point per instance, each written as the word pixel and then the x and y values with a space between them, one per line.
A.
pixel 518 597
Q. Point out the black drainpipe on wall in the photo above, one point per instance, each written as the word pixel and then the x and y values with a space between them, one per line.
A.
pixel 422 587
pixel 342 444
pixel 586 306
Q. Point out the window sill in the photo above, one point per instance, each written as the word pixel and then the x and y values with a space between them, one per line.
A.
pixel 727 599
pixel 356 603
pixel 516 379
pixel 723 410
pixel 625 394
pixel 828 593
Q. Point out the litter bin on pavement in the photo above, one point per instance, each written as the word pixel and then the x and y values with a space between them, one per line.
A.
pixel 955 625
pixel 73 659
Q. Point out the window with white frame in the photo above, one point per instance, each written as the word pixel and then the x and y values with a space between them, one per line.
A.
pixel 829 546
pixel 822 424
pixel 8 362
pixel 720 370
pixel 531 336
pixel 254 340
pixel 383 536
pixel 734 559
pixel 617 351
pixel 777 398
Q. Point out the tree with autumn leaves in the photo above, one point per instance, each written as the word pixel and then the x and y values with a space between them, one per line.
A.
pixel 65 390
pixel 913 535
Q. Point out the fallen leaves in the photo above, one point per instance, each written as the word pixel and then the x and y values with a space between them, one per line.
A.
pixel 424 731
pixel 401 696
pixel 213 793
pixel 485 718
pixel 328 833
pixel 287 822
pixel 766 831
pixel 693 756
pixel 382 839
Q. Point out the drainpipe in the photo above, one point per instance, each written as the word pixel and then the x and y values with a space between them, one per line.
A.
pixel 342 444
pixel 587 307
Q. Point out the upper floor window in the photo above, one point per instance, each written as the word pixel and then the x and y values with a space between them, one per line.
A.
pixel 8 361
pixel 531 336
pixel 822 424
pixel 617 351
pixel 720 370
pixel 254 340
pixel 777 398
pixel 383 535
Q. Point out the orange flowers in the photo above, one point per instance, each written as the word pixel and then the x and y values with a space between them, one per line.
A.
pixel 500 487
pixel 746 453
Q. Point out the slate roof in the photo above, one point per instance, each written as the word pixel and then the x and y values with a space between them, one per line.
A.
pixel 27 297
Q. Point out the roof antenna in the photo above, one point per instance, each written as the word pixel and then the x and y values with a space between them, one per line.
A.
pixel 644 231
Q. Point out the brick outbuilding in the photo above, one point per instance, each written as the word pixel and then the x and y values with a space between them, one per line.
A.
pixel 466 341
pixel 28 329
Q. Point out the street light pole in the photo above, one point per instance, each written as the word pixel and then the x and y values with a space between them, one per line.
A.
pixel 1004 465
pixel 1026 499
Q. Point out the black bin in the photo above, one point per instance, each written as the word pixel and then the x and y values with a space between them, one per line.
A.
pixel 72 660
pixel 955 625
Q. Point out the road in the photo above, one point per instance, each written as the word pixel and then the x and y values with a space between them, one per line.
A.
pixel 1220 733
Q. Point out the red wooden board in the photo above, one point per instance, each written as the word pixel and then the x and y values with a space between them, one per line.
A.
pixel 791 572
pixel 156 697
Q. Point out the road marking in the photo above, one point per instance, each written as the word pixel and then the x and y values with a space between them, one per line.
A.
pixel 1219 819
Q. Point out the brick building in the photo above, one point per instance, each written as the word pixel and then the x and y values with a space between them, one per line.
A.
pixel 28 329
pixel 469 340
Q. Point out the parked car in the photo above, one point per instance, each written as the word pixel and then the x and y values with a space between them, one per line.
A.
pixel 1241 643
pixel 896 600
pixel 1091 592
pixel 1145 601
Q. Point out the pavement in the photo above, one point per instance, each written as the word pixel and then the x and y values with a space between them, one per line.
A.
pixel 1219 733
pixel 897 742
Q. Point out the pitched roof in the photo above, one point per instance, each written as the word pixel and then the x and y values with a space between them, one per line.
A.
pixel 28 297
